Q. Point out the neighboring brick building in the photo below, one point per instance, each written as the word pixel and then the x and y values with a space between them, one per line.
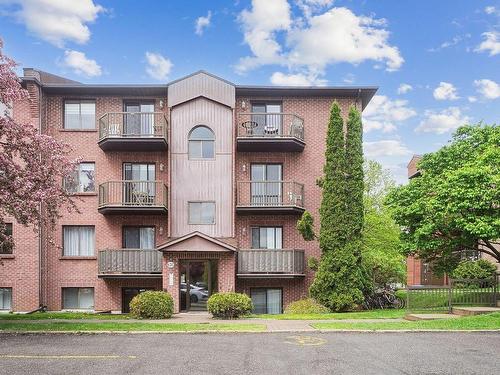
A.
pixel 191 187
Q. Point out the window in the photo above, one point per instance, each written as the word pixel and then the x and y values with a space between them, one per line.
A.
pixel 142 188
pixel 201 212
pixel 78 298
pixel 78 241
pixel 6 299
pixel 79 114
pixel 82 180
pixel 138 237
pixel 7 245
pixel 266 300
pixel 268 118
pixel 266 188
pixel 139 119
pixel 201 143
pixel 267 238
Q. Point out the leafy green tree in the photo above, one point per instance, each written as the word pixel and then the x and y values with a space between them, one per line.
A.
pixel 455 204
pixel 381 245
pixel 340 280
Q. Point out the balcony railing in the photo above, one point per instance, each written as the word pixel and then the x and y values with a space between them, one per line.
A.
pixel 139 196
pixel 270 196
pixel 275 262
pixel 270 132
pixel 129 261
pixel 133 131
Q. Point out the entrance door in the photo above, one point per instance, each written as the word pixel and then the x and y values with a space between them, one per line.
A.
pixel 128 294
pixel 139 119
pixel 198 280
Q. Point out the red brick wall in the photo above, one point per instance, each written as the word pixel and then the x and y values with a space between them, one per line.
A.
pixel 304 167
pixel 63 272
pixel 19 271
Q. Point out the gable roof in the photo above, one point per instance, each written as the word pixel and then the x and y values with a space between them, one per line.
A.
pixel 196 242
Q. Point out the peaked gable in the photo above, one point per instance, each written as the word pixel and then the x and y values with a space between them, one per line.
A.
pixel 201 84
pixel 196 242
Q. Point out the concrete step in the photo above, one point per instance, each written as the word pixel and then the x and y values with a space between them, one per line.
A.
pixel 467 311
pixel 414 317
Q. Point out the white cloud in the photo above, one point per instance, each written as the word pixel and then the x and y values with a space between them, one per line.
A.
pixel 299 79
pixel 158 66
pixel 57 21
pixel 487 88
pixel 441 122
pixel 384 148
pixel 338 35
pixel 383 113
pixel 490 10
pixel 445 91
pixel 202 23
pixel 472 99
pixel 335 36
pixel 491 43
pixel 404 88
pixel 309 7
pixel 80 64
pixel 260 25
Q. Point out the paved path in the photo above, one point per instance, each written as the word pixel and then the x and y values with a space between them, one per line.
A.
pixel 273 325
pixel 274 353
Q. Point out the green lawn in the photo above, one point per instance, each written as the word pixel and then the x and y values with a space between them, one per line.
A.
pixel 371 314
pixel 479 322
pixel 128 327
pixel 62 315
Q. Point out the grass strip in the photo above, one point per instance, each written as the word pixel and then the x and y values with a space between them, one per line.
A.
pixel 371 314
pixel 63 315
pixel 129 327
pixel 472 323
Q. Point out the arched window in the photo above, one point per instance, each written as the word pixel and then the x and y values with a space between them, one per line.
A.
pixel 201 143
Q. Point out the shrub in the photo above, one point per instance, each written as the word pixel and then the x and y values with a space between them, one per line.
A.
pixel 229 305
pixel 470 269
pixel 313 263
pixel 306 306
pixel 152 305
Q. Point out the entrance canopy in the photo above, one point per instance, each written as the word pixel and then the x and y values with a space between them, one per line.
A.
pixel 196 242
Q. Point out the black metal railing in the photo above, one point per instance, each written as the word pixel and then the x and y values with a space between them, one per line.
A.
pixel 284 125
pixel 133 125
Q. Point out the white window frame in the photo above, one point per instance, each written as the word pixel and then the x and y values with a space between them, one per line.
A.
pixel 91 308
pixel 190 219
pixel 78 227
pixel 79 102
pixel 2 307
pixel 77 182
pixel 202 141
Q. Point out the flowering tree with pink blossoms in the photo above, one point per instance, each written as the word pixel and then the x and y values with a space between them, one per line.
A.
pixel 32 165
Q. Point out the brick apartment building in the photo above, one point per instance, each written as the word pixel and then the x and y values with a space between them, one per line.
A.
pixel 190 187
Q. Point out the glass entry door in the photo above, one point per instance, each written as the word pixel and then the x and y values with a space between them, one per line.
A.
pixel 139 119
pixel 266 184
pixel 268 119
pixel 141 188
pixel 198 280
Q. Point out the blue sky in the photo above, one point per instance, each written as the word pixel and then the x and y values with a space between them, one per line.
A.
pixel 437 63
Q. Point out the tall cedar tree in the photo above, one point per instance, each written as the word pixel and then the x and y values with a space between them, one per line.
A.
pixel 340 280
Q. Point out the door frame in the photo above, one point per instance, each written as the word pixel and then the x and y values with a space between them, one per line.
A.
pixel 210 289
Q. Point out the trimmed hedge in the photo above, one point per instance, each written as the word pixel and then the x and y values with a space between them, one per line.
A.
pixel 152 305
pixel 229 305
pixel 306 306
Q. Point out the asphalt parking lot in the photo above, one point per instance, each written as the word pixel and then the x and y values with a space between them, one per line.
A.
pixel 262 353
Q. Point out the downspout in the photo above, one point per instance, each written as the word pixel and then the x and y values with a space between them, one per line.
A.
pixel 40 227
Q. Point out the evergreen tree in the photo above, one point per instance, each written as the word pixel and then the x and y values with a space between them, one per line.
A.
pixel 341 280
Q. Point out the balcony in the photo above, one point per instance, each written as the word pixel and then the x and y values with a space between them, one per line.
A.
pixel 269 198
pixel 129 263
pixel 133 197
pixel 275 263
pixel 270 132
pixel 133 131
